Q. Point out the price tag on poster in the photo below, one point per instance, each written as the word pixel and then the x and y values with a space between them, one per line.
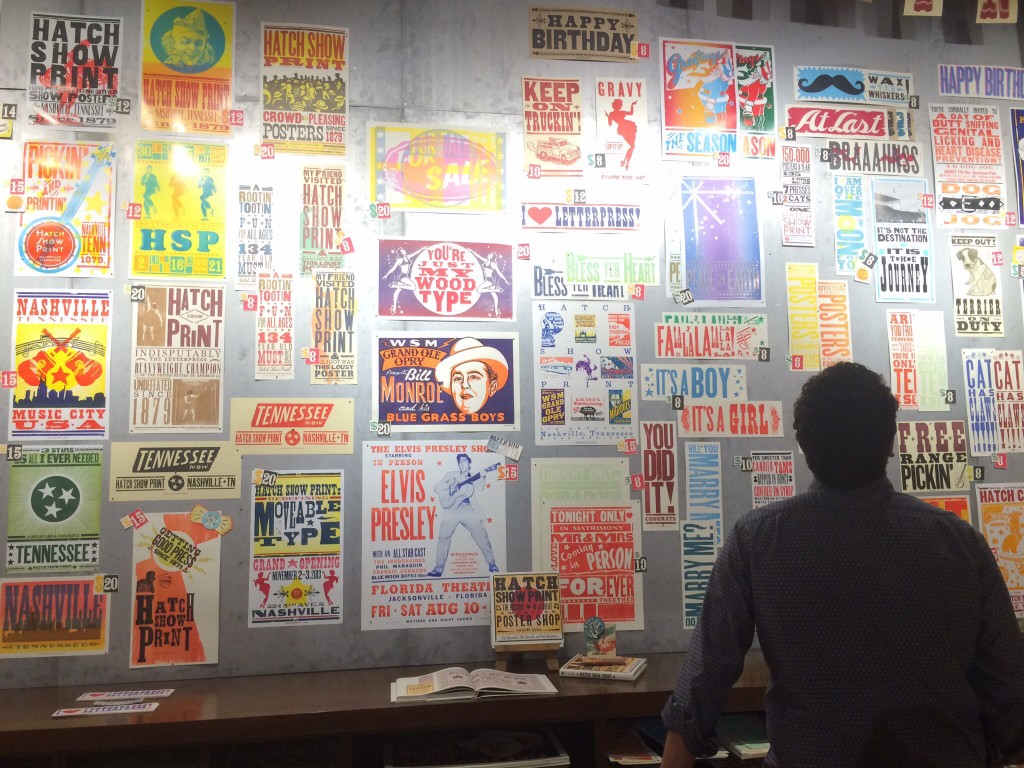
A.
pixel 264 151
pixel 508 472
pixel 639 563
pixel 14 452
pixel 137 293
pixel 948 396
pixel 8 379
pixel 250 302
pixel 638 292
pixel 764 354
pixel 533 172
pixel 745 463
pixel 723 159
pixel 796 362
pixel 133 211
pixel 999 460
pixel 236 118
pixel 639 50
pixel 928 201
pixel 311 355
pixel 627 446
pixel 121 106
pixel 777 197
pixel 523 251
pixel 997 258
pixel 380 210
pixel 636 481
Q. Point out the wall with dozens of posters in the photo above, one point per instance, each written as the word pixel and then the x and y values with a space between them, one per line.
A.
pixel 314 324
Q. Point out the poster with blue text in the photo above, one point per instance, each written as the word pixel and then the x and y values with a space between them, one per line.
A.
pixel 698 89
pixel 850 220
pixel 995 400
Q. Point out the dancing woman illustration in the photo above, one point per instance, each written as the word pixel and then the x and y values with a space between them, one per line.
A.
pixel 493 278
pixel 403 280
pixel 625 128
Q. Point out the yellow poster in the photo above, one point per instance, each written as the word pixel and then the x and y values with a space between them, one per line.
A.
pixel 180 188
pixel 802 300
pixel 1001 512
pixel 187 63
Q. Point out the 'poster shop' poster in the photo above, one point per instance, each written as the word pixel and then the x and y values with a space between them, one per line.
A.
pixel 60 355
pixel 434 529
pixel 187 66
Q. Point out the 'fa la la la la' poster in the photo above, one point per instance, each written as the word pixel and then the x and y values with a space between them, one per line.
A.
pixel 175 608
pixel 60 357
pixel 182 192
pixel 434 530
pixel 56 616
pixel 698 89
pixel 53 503
pixel 188 56
pixel 584 372
pixel 1001 513
pixel 295 549
pixel 66 228
pixel 333 331
pixel 305 88
pixel 177 360
pixel 74 72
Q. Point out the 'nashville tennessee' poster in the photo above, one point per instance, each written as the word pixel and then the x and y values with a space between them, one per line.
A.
pixel 58 616
pixel 60 349
pixel 187 66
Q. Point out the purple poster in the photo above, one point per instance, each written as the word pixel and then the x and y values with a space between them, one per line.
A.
pixel 713 243
pixel 1017 126
pixel 431 383
pixel 441 280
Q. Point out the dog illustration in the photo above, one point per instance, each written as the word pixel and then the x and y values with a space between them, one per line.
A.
pixel 982 281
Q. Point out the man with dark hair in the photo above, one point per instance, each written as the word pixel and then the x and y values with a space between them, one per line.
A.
pixel 886 626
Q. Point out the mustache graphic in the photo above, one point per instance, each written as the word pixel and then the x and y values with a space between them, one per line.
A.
pixel 823 82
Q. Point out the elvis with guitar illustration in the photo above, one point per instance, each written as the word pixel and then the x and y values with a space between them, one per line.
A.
pixel 456 493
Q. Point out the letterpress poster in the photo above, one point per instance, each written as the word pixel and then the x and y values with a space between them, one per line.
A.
pixel 755 94
pixel 704 492
pixel 853 84
pixel 771 476
pixel 995 400
pixel 695 381
pixel 158 469
pixel 552 127
pixel 292 425
pixel 917 359
pixel 977 285
pixel 661 481
pixel 57 616
pixel 905 270
pixel 933 456
pixel 592 266
pixel 625 146
pixel 320 219
pixel 851 217
pixel 797 216
pixel 333 331
pixel 582 34
pixel 255 234
pixel 275 327
pixel 698 90
pixel 719 335
pixel 1001 514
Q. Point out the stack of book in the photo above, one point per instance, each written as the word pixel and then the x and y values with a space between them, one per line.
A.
pixel 525 747
pixel 604 667
pixel 458 683
pixel 746 736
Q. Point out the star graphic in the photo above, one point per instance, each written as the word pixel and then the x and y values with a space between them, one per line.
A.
pixel 51 510
pixel 293 563
pixel 67 495
pixel 59 376
pixel 47 490
pixel 94 203
pixel 649 392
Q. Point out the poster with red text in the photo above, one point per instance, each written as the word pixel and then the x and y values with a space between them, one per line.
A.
pixel 175 607
pixel 59 616
pixel 977 285
pixel 434 530
pixel 322 240
pixel 621 119
pixel 60 356
pixel 917 359
pixel 593 550
pixel 275 327
pixel 660 469
pixel 1001 514
pixel 771 476
pixel 698 90
pixel 797 211
pixel 552 127
pixel 933 456
pixel 290 425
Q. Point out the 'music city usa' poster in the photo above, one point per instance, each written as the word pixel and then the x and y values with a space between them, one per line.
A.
pixel 295 549
pixel 433 531
pixel 698 89
pixel 74 72
pixel 443 169
pixel 175 608
pixel 187 66
pixel 60 616
pixel 305 89
pixel 60 353
pixel 442 280
pixel 182 192
pixel 66 227
pixel 434 383
pixel 177 360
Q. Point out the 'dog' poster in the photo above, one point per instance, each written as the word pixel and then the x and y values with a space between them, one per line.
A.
pixel 187 66
pixel 181 189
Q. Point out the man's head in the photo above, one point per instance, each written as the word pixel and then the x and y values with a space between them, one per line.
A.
pixel 471 374
pixel 463 461
pixel 187 41
pixel 845 422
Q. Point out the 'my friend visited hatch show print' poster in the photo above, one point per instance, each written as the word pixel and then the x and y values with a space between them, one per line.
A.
pixel 433 532
pixel 333 333
pixel 181 188
pixel 320 234
pixel 60 349
pixel 177 360
pixel 296 547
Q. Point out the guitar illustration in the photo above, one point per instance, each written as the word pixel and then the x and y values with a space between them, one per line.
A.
pixel 460 490
pixel 53 244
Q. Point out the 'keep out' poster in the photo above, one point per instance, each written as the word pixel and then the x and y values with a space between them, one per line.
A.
pixel 57 616
pixel 177 360
pixel 434 530
pixel 977 289
pixel 60 356
pixel 295 549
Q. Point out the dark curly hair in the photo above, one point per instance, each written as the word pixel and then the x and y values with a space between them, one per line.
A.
pixel 845 422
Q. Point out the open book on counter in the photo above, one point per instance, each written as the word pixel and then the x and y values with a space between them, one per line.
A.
pixel 458 683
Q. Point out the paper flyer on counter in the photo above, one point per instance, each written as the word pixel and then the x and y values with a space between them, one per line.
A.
pixel 292 425
pixel 717 335
pixel 295 548
pixel 333 333
pixel 434 530
pixel 434 383
pixel 552 127
pixel 444 169
pixel 772 476
pixel 188 56
pixel 917 359
pixel 698 99
pixel 54 616
pixel 704 491
pixel 274 342
pixel 1001 514
pixel 74 72
pixel 143 470
pixel 60 349
pixel 905 269
pixel 177 377
pixel 626 147
pixel 305 89
pixel 444 280
pixel 977 285
pixel 797 196
pixel 851 222
pixel 255 234
pixel 66 228
pixel 933 456
pixel 175 607
pixel 182 189
pixel 584 374
pixel 321 219
pixel 694 381
pixel 593 550
pixel 53 509
pixel 661 475
pixel 995 400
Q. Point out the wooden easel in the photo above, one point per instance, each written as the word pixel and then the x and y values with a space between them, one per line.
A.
pixel 504 653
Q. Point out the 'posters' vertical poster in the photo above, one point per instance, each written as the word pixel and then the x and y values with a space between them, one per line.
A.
pixel 66 227
pixel 255 234
pixel 1001 513
pixel 584 372
pixel 433 383
pixel 53 617
pixel 625 145
pixel 187 66
pixel 74 71
pixel 53 504
pixel 177 360
pixel 552 127
pixel 933 456
pixel 333 332
pixel 60 357
pixel 698 92
pixel 797 214
pixel 296 546
pixel 175 608
pixel 660 470
pixel 713 243
pixel 305 89
pixel 181 189
pixel 434 529
pixel 977 289
pixel 917 359
pixel 275 328
pixel 904 271
pixel 320 232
